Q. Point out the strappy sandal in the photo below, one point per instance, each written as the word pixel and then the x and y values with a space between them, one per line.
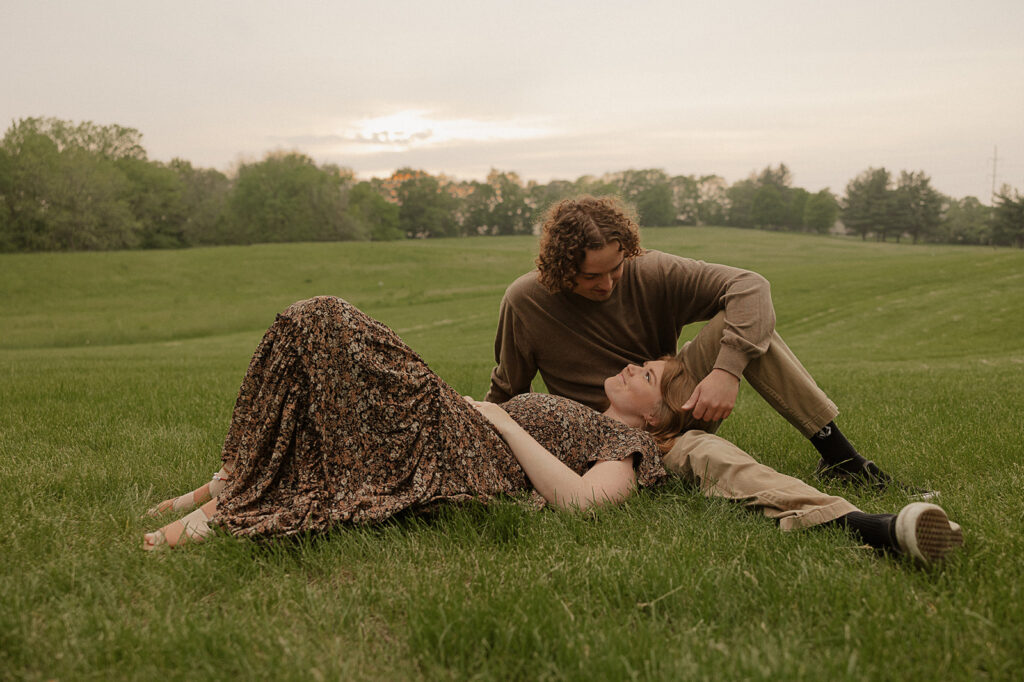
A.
pixel 193 499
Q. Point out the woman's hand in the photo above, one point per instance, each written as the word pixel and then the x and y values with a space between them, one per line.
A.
pixel 494 414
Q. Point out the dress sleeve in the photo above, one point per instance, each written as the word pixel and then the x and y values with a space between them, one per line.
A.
pixel 624 441
pixel 515 369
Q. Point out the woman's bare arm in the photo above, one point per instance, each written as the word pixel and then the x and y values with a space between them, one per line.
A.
pixel 607 482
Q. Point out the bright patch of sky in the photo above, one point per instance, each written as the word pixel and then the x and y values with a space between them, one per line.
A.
pixel 545 89
pixel 407 130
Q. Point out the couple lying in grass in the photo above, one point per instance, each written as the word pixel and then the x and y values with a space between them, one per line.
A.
pixel 338 421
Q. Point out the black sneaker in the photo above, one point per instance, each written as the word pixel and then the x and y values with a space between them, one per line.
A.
pixel 868 474
pixel 924 532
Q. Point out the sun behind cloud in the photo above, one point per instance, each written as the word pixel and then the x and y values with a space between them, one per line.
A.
pixel 415 128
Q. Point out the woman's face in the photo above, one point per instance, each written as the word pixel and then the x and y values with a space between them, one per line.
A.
pixel 635 392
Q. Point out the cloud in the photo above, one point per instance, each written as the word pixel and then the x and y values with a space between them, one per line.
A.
pixel 412 130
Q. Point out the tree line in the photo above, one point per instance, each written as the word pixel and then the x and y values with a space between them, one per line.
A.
pixel 83 186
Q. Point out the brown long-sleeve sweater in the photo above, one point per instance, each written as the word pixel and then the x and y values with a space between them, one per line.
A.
pixel 576 343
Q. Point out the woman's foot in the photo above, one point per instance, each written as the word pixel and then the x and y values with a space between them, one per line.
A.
pixel 191 500
pixel 194 527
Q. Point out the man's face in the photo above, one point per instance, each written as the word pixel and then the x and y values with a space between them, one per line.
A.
pixel 600 272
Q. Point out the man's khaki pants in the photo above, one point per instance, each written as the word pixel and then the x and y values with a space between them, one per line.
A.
pixel 721 469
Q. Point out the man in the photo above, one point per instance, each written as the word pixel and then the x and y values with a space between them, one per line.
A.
pixel 597 302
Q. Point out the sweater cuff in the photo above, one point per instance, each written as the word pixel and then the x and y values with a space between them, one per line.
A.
pixel 732 361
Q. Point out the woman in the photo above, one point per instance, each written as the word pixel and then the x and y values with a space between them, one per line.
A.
pixel 338 420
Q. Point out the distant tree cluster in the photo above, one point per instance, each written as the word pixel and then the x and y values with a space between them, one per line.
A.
pixel 79 187
pixel 910 207
pixel 68 186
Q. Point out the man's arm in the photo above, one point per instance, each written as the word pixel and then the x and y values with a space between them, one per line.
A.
pixel 702 290
pixel 749 322
pixel 695 290
pixel 749 318
pixel 515 369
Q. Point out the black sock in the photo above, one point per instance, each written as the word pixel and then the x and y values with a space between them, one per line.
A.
pixel 835 449
pixel 877 530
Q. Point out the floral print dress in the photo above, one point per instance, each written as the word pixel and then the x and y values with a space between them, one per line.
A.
pixel 338 420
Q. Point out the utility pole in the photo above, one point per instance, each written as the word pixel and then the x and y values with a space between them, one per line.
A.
pixel 995 157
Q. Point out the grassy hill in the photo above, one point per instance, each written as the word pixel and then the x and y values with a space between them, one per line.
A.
pixel 118 372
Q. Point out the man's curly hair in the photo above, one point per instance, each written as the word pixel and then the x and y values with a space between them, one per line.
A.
pixel 574 225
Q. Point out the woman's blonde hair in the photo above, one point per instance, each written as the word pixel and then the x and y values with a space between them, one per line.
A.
pixel 675 390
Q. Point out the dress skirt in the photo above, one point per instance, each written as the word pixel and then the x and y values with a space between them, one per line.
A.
pixel 339 421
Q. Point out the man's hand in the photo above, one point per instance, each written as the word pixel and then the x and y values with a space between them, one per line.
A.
pixel 714 397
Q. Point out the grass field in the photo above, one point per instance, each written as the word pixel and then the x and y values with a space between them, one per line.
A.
pixel 118 372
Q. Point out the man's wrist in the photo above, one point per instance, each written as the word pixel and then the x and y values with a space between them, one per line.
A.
pixel 732 361
pixel 725 373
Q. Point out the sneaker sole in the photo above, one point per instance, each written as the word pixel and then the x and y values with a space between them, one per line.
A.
pixel 924 532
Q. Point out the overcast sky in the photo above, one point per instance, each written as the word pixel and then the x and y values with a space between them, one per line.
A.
pixel 549 89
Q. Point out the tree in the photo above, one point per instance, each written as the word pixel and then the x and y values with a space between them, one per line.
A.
pixel 427 209
pixel 110 142
pixel 916 206
pixel 966 221
pixel 821 211
pixel 372 214
pixel 796 205
pixel 154 194
pixel 477 209
pixel 767 200
pixel 655 207
pixel 62 197
pixel 542 197
pixel 777 204
pixel 780 178
pixel 286 197
pixel 204 195
pixel 6 196
pixel 768 208
pixel 650 191
pixel 741 203
pixel 685 199
pixel 588 184
pixel 510 214
pixel 1008 218
pixel 713 204
pixel 867 203
pixel 85 204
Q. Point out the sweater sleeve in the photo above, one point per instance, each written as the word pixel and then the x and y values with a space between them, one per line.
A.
pixel 515 369
pixel 702 290
pixel 749 322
